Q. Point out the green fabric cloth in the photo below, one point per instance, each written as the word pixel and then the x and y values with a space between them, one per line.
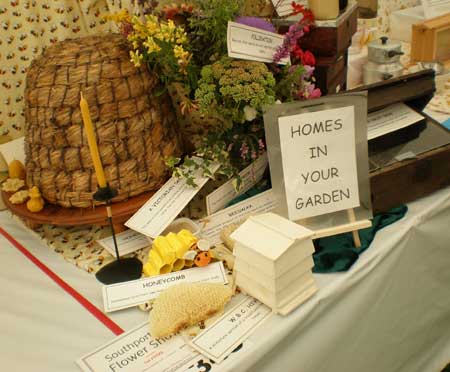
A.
pixel 337 253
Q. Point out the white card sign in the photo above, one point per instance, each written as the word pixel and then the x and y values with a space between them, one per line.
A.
pixel 284 7
pixel 128 241
pixel 166 204
pixel 390 119
pixel 234 327
pixel 13 150
pixel 132 293
pixel 215 223
pixel 138 351
pixel 252 174
pixel 319 162
pixel 254 44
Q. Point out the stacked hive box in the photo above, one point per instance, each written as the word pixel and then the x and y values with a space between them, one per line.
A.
pixel 274 262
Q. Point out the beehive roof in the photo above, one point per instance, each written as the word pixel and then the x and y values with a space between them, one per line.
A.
pixel 270 235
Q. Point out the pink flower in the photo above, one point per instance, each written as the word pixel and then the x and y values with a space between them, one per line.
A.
pixel 244 150
pixel 290 40
pixel 309 70
pixel 316 93
pixel 309 91
pixel 261 145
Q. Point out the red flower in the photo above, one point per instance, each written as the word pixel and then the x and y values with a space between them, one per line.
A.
pixel 308 58
pixel 298 52
pixel 308 16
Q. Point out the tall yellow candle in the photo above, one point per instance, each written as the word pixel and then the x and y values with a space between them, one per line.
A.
pixel 93 148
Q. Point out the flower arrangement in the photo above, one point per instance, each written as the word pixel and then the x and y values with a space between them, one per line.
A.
pixel 171 40
pixel 235 90
pixel 159 43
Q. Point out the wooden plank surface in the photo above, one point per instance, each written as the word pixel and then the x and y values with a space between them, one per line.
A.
pixel 57 215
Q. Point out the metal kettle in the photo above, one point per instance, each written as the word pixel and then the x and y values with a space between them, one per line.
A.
pixel 383 61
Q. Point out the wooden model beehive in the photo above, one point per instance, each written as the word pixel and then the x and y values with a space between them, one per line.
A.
pixel 135 128
pixel 274 261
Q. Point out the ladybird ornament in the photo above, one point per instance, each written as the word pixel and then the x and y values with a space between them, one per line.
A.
pixel 199 254
pixel 202 259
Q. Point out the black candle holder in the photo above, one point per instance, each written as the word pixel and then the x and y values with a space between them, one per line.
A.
pixel 122 269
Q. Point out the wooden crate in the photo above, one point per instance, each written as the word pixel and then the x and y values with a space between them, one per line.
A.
pixel 431 40
pixel 397 179
pixel 331 73
pixel 329 38
pixel 332 38
pixel 409 180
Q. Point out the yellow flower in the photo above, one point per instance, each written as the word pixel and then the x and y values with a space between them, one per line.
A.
pixel 179 52
pixel 118 17
pixel 151 45
pixel 151 26
pixel 171 25
pixel 136 58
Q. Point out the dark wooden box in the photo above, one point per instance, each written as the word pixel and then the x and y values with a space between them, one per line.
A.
pixel 329 42
pixel 332 38
pixel 331 73
pixel 327 38
pixel 415 167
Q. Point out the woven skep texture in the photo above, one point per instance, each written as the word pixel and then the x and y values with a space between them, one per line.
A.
pixel 194 126
pixel 135 128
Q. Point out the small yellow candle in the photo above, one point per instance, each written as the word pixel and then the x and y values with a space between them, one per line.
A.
pixel 89 130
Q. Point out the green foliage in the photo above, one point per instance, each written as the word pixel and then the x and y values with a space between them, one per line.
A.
pixel 228 86
pixel 289 82
pixel 232 149
pixel 208 30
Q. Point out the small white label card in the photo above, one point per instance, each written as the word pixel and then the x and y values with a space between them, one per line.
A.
pixel 127 242
pixel 14 149
pixel 235 326
pixel 165 205
pixel 284 7
pixel 214 224
pixel 127 294
pixel 390 119
pixel 225 193
pixel 138 351
pixel 254 44
pixel 319 162
pixel 435 8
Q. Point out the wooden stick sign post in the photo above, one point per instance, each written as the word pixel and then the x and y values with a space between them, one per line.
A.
pixel 316 160
pixel 355 233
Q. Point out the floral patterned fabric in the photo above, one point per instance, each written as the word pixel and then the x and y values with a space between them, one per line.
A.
pixel 386 7
pixel 27 28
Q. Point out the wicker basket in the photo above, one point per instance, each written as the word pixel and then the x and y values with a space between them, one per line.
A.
pixel 135 129
pixel 193 125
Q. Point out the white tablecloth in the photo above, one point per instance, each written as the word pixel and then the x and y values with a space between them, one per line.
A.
pixel 389 312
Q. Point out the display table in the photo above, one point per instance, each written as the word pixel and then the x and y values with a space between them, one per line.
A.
pixel 389 312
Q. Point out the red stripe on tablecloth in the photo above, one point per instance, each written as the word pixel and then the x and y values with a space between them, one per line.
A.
pixel 71 291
